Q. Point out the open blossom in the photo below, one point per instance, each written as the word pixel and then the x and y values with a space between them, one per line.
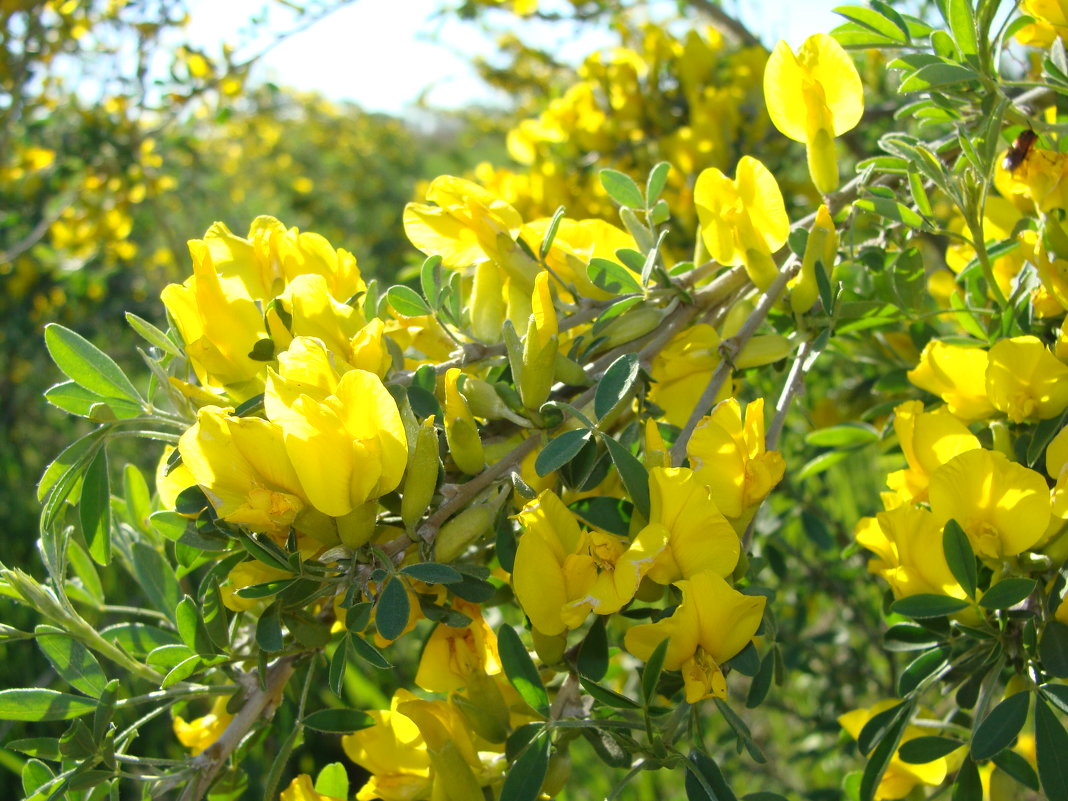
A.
pixel 928 440
pixel 1003 507
pixel 1025 381
pixel 812 97
pixel 957 374
pixel 713 623
pixel 200 733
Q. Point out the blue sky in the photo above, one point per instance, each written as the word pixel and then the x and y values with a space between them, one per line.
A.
pixel 384 53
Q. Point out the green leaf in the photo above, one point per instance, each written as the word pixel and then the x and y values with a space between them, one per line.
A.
pixel 40 747
pixel 333 781
pixel 658 176
pixel 909 637
pixel 75 399
pixel 406 301
pixel 73 662
pixel 622 189
pixel 881 755
pixel 920 668
pixel 392 609
pixel 35 774
pixel 877 728
pixel 550 233
pixel 1053 648
pixel 1051 744
pixel 761 684
pixel 921 750
pixel 269 630
pixel 611 514
pixel 968 786
pixel 152 335
pixel 615 385
pixel 561 450
pixel 1018 768
pixel 961 19
pixel 892 210
pixel 430 279
pixel 704 780
pixel 432 573
pixel 369 654
pixel 593 654
pixel 608 697
pixel 94 509
pixel 39 704
pixel 960 557
pixel 156 579
pixel 339 661
pixel 87 365
pixel 520 670
pixel 936 76
pixel 611 277
pixel 138 639
pixel 633 474
pixel 1007 592
pixel 1057 694
pixel 927 605
pixel 1000 727
pixel 191 627
pixel 876 22
pixel 524 779
pixel 654 666
pixel 338 721
pixel 847 435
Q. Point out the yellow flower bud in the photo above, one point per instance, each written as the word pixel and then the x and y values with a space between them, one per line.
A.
pixel 461 531
pixel 822 246
pixel 461 432
pixel 539 347
pixel 631 325
pixel 422 477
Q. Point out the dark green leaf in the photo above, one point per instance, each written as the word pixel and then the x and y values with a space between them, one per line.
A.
pixel 593 654
pixel 156 579
pixel 881 755
pixel 432 573
pixel 1018 768
pixel 615 385
pixel 920 668
pixel 269 630
pixel 612 277
pixel 633 474
pixel 560 450
pixel 40 704
pixel 191 627
pixel 921 750
pixel 40 747
pixel 651 672
pixel 960 557
pixel 704 780
pixel 87 365
pixel 338 663
pixel 927 605
pixel 520 670
pixel 1051 744
pixel 392 609
pixel 909 637
pixel 369 654
pixel 1053 648
pixel 968 787
pixel 94 509
pixel 611 514
pixel 1056 694
pixel 758 689
pixel 406 301
pixel 608 697
pixel 622 189
pixel 1000 727
pixel 524 779
pixel 72 661
pixel 880 724
pixel 338 721
pixel 1007 592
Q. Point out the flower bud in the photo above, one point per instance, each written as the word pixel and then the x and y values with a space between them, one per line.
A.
pixel 822 246
pixel 358 526
pixel 822 162
pixel 765 349
pixel 461 432
pixel 422 477
pixel 487 303
pixel 631 325
pixel 484 401
pixel 539 347
pixel 465 528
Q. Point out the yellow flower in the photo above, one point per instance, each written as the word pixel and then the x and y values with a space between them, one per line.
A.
pixel 1050 22
pixel 1042 178
pixel 242 465
pixel 315 313
pixel 302 789
pixel 200 733
pixel 1002 506
pixel 729 456
pixel 742 221
pixel 452 654
pixel 928 440
pixel 907 542
pixel 900 777
pixel 957 374
pixel 539 346
pixel 712 624
pixel 461 431
pixel 394 752
pixel 681 371
pixel 698 536
pixel 563 572
pixel 822 246
pixel 347 447
pixel 575 244
pixel 812 97
pixel 1025 381
pixel 220 325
